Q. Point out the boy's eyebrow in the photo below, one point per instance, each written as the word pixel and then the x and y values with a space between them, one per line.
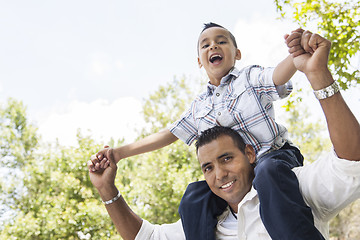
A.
pixel 217 37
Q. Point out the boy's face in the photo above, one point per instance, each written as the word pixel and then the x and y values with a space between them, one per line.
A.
pixel 227 170
pixel 217 53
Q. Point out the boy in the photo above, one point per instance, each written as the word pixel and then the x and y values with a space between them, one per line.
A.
pixel 242 100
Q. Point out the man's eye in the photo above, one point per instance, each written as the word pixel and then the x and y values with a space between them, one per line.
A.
pixel 207 169
pixel 227 159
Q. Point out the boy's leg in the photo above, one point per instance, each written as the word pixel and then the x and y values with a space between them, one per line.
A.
pixel 282 208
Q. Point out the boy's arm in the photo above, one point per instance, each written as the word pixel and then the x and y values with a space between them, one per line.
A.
pixel 284 71
pixel 286 68
pixel 150 143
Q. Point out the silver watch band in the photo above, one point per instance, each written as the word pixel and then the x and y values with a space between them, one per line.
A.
pixel 112 200
pixel 327 92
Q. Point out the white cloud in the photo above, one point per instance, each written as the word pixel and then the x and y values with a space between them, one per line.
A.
pixel 104 120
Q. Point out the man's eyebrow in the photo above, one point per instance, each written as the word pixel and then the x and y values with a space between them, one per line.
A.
pixel 223 155
pixel 204 165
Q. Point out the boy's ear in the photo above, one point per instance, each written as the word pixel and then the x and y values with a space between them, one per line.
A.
pixel 199 63
pixel 238 54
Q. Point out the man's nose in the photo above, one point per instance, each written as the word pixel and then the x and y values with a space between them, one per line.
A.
pixel 221 172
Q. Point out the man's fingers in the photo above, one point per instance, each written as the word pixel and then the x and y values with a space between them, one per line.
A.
pixel 299 30
pixel 306 43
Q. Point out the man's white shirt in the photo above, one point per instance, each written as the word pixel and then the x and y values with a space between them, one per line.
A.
pixel 328 185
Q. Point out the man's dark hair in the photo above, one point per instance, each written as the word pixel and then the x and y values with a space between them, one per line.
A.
pixel 214 133
pixel 211 25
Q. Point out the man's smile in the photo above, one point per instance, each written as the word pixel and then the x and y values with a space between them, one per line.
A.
pixel 227 185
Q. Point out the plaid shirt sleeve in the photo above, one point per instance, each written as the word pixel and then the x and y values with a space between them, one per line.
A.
pixel 261 79
pixel 185 128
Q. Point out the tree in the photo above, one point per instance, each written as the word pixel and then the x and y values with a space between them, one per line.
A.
pixel 338 21
pixel 52 197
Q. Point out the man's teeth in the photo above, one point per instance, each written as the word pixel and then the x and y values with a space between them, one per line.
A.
pixel 227 185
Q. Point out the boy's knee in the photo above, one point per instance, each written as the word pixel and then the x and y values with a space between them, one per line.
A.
pixel 271 170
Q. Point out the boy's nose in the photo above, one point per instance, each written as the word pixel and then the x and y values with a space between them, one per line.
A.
pixel 213 47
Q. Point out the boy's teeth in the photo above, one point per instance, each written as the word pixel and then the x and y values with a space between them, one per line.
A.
pixel 215 57
pixel 227 185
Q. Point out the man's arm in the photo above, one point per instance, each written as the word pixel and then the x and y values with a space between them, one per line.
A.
pixel 344 129
pixel 127 223
pixel 150 143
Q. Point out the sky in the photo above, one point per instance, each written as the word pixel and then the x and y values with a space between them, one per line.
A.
pixel 89 64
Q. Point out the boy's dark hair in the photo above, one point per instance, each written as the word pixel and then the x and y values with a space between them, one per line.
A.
pixel 211 24
pixel 214 133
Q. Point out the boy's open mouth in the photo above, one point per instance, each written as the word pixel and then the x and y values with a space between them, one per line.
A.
pixel 216 58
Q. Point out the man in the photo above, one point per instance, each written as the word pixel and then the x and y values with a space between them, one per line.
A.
pixel 228 167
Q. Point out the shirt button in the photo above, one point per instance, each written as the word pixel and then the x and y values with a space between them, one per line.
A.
pixel 219 113
pixel 217 94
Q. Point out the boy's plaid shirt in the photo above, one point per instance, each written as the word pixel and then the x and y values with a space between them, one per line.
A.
pixel 242 101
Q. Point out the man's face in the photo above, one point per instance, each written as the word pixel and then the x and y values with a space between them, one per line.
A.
pixel 227 170
pixel 217 53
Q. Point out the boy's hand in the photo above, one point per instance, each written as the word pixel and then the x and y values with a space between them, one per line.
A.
pixel 101 159
pixel 293 41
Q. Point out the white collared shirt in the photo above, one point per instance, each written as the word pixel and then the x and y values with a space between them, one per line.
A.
pixel 328 185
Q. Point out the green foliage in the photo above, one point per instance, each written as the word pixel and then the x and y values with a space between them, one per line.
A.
pixel 18 138
pixel 308 134
pixel 52 197
pixel 338 21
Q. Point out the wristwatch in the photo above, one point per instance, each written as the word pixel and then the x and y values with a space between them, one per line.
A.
pixel 327 92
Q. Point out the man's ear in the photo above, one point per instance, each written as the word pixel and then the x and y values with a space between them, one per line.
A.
pixel 199 63
pixel 250 153
pixel 238 54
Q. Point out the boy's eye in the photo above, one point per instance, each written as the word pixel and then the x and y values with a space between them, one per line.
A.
pixel 222 42
pixel 205 46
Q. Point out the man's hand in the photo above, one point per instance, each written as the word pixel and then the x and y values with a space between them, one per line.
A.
pixel 101 159
pixel 310 53
pixel 106 177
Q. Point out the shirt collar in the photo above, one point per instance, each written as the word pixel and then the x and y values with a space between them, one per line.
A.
pixel 233 74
